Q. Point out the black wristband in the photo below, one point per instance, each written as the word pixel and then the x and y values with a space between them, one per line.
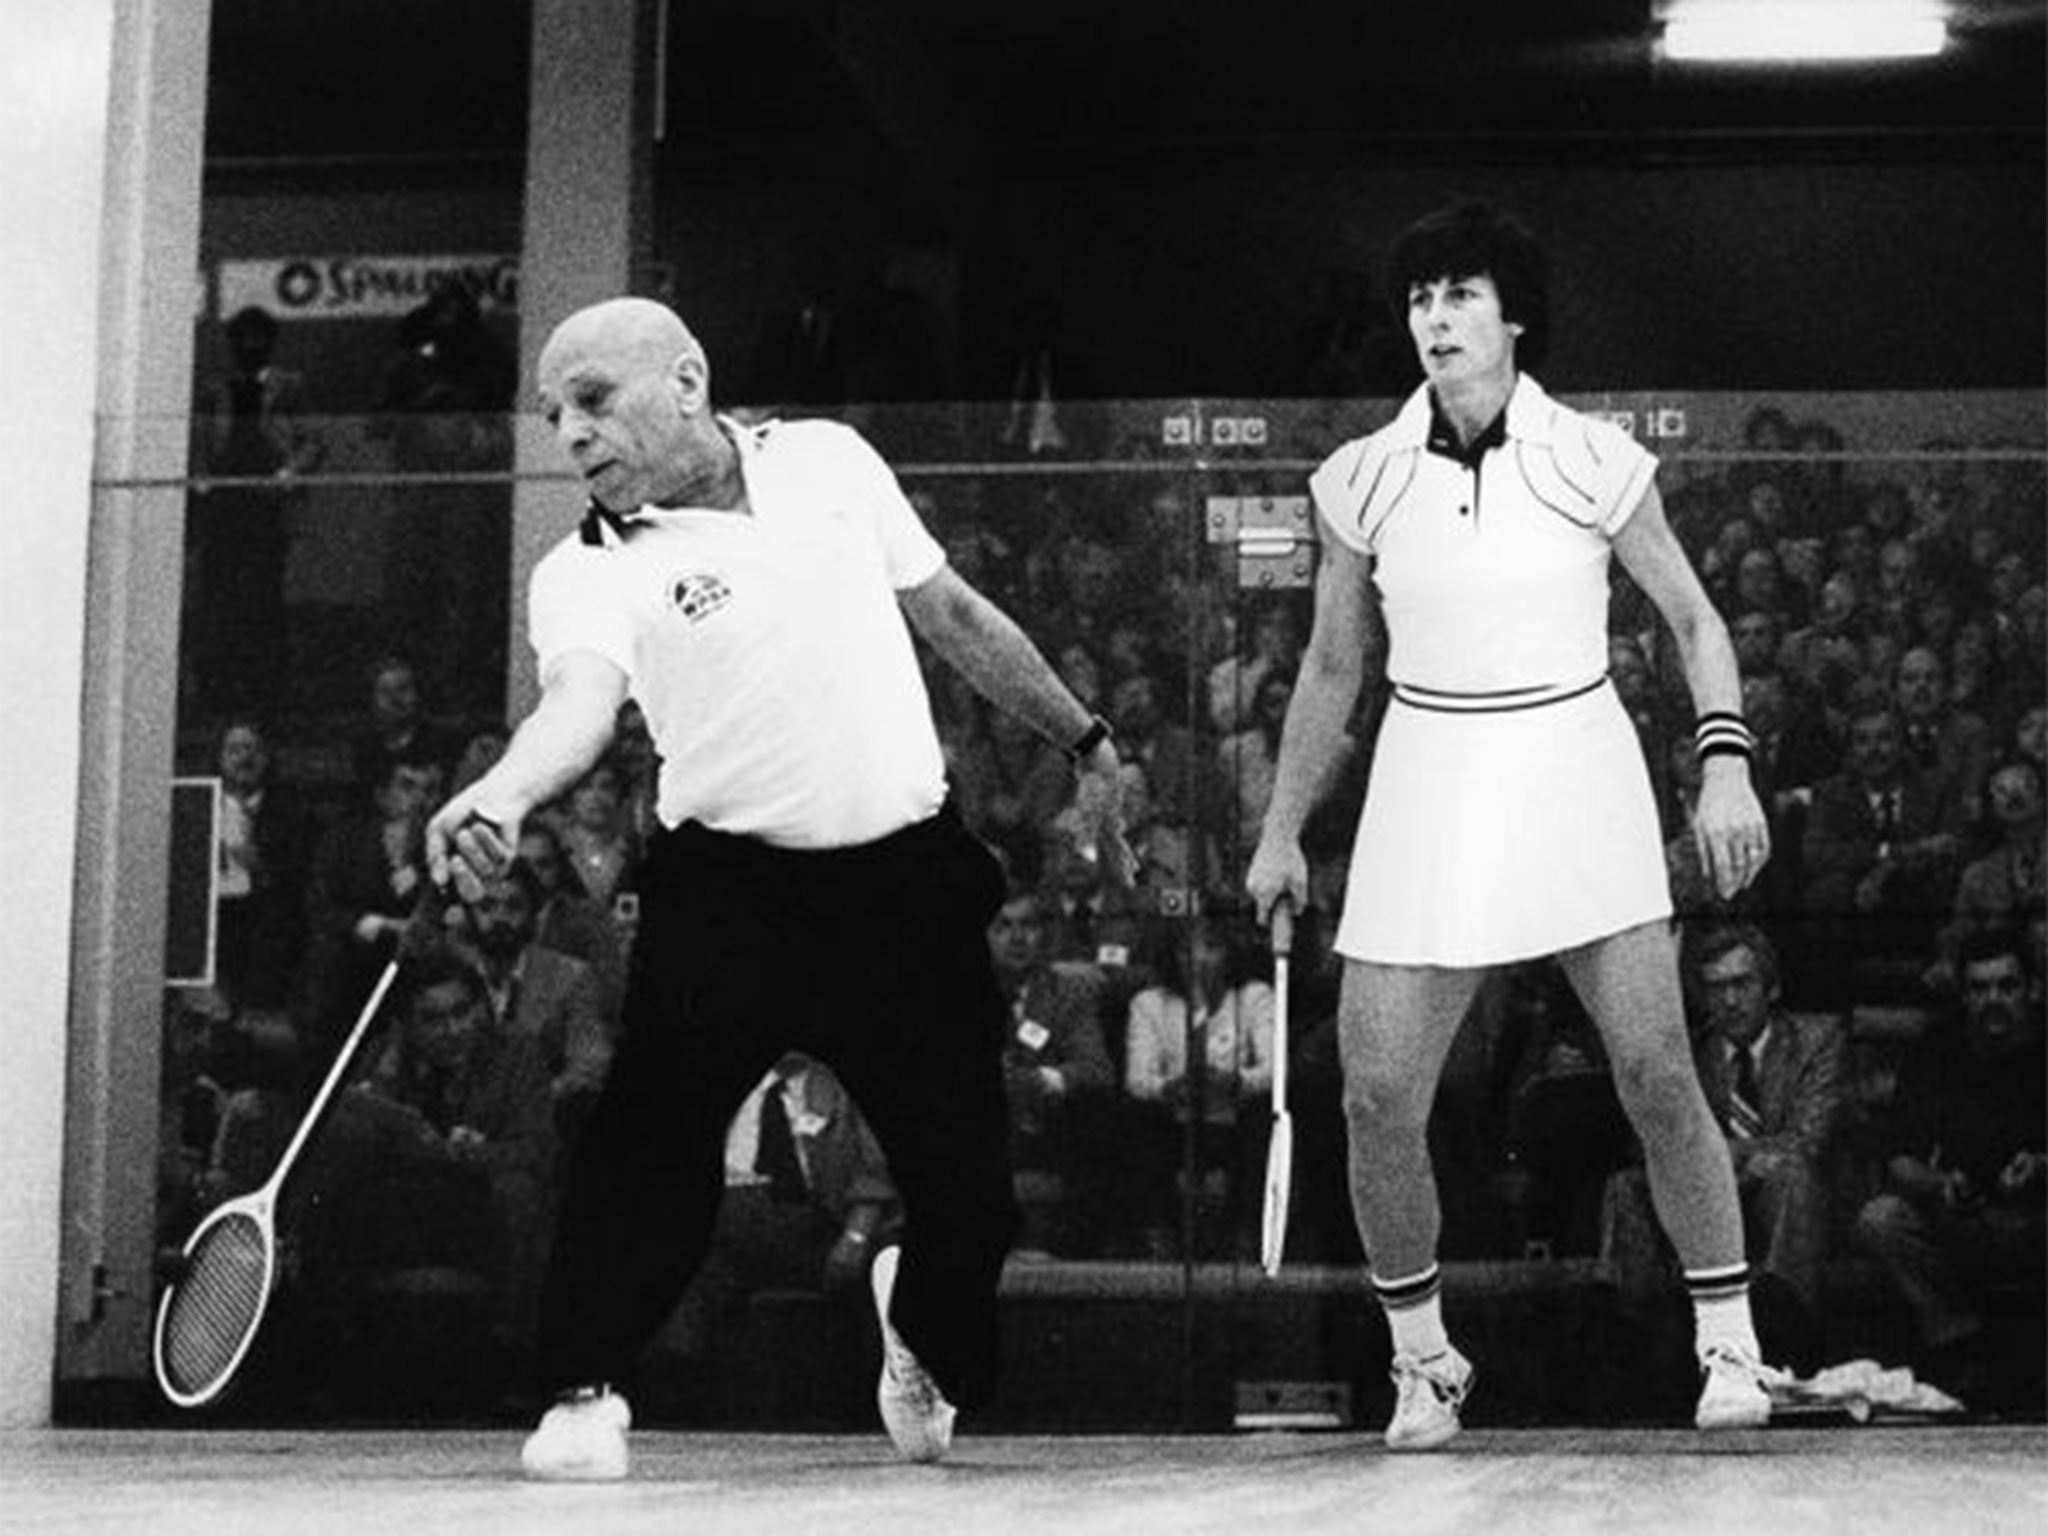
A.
pixel 1096 734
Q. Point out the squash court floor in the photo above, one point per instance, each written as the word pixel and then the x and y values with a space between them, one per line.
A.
pixel 1869 1480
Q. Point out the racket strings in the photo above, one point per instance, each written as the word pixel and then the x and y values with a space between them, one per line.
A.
pixel 213 1311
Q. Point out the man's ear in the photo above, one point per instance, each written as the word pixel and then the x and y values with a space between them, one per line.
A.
pixel 692 380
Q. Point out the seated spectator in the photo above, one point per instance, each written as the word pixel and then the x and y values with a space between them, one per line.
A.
pixel 1271 641
pixel 2006 889
pixel 1011 782
pixel 1760 582
pixel 1178 860
pixel 808 1200
pixel 431 1189
pixel 1246 760
pixel 397 726
pixel 1087 916
pixel 479 752
pixel 1831 643
pixel 539 994
pixel 1757 635
pixel 569 922
pixel 1183 780
pixel 1975 686
pixel 1894 605
pixel 1056 1067
pixel 1968 1176
pixel 634 754
pixel 1951 748
pixel 369 874
pixel 1774 1082
pixel 1879 862
pixel 1198 1052
pixel 265 842
pixel 597 835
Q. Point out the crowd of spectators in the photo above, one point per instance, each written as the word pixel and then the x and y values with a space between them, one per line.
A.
pixel 1888 616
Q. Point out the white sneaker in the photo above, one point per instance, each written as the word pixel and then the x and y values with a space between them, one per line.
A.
pixel 914 1410
pixel 582 1439
pixel 1736 1390
pixel 1428 1395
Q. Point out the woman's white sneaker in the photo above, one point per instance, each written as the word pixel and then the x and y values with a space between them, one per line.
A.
pixel 582 1439
pixel 1428 1395
pixel 1735 1392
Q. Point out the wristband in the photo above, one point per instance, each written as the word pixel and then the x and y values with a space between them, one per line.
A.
pixel 1723 733
pixel 1096 734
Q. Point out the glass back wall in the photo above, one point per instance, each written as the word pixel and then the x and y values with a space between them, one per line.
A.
pixel 344 663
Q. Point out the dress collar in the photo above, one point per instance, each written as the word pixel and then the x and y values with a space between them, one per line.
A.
pixel 1528 417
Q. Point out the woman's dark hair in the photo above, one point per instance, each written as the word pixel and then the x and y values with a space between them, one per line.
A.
pixel 1474 239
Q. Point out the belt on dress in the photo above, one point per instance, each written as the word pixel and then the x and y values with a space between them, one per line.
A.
pixel 1502 701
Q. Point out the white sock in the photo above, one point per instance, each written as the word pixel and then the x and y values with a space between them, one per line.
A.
pixel 1415 1313
pixel 1720 1310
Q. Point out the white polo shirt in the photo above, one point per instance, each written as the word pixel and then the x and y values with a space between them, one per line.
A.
pixel 767 649
pixel 1493 579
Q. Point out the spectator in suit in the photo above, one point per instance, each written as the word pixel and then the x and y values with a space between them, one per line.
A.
pixel 431 1191
pixel 264 845
pixel 808 1201
pixel 1056 1069
pixel 597 835
pixel 569 921
pixel 1879 861
pixel 369 873
pixel 540 994
pixel 2007 888
pixel 1774 1082
pixel 397 726
pixel 1951 748
pixel 1967 1181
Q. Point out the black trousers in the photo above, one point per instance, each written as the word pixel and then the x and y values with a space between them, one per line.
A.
pixel 874 960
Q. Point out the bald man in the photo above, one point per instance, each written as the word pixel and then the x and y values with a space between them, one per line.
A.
pixel 754 590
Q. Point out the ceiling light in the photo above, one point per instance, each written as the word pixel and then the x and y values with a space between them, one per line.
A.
pixel 1797 31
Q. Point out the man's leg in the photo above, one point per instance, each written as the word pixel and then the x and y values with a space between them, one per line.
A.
pixel 645 1183
pixel 918 1043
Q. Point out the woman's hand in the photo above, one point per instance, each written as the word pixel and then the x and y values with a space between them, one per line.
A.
pixel 1729 827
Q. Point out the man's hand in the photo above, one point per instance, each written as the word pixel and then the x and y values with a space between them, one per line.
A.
pixel 846 1264
pixel 469 845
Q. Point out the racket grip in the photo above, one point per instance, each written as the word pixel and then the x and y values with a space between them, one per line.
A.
pixel 1283 926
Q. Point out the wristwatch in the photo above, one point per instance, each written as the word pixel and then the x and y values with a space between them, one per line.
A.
pixel 1097 733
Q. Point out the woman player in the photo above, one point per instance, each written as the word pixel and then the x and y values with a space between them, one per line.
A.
pixel 1509 814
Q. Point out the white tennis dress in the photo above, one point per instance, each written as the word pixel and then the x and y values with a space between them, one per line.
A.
pixel 1509 813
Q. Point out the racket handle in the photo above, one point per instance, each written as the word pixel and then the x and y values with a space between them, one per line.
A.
pixel 1283 926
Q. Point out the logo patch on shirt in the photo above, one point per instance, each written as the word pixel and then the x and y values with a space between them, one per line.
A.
pixel 697 597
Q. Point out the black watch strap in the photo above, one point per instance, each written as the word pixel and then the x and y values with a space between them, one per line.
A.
pixel 1096 734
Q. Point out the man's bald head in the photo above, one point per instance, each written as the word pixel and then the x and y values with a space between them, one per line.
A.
pixel 629 334
pixel 628 392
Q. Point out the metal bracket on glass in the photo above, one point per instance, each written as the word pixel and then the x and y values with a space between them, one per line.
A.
pixel 1274 537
